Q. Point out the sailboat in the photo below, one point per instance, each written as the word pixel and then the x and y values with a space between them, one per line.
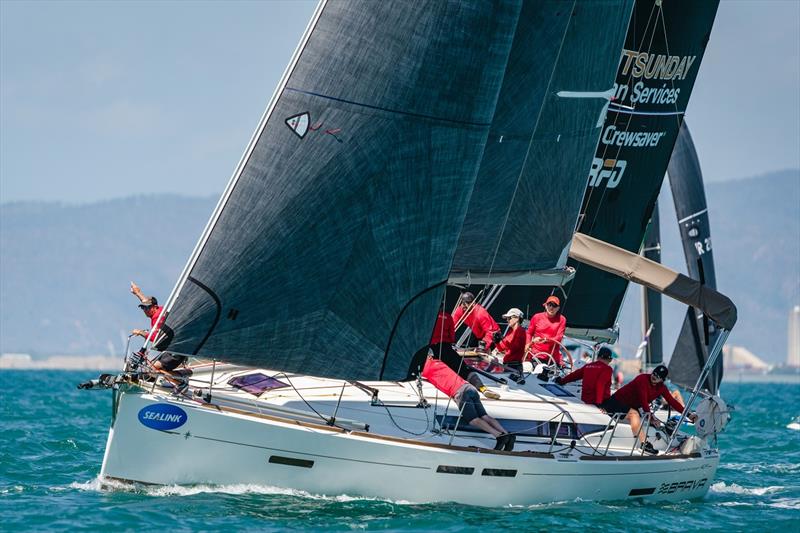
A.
pixel 406 148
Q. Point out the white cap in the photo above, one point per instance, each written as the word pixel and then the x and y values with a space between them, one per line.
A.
pixel 514 312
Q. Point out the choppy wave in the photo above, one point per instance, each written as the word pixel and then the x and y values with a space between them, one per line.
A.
pixel 722 488
pixel 759 468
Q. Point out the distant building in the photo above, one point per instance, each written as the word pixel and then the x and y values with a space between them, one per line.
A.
pixel 793 351
pixel 740 358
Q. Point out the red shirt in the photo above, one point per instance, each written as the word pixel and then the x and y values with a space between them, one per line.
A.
pixel 513 345
pixel 444 330
pixel 479 321
pixel 640 392
pixel 156 318
pixel 596 378
pixel 549 328
pixel 442 377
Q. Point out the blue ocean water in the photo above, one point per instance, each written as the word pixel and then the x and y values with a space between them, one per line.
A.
pixel 53 437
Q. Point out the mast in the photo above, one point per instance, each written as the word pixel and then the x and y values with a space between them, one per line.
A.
pixel 651 300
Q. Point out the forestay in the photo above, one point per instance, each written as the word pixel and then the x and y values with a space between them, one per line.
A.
pixel 341 222
pixel 533 173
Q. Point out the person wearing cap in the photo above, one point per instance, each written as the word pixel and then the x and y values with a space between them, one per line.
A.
pixel 148 305
pixel 468 401
pixel 546 331
pixel 477 318
pixel 596 376
pixel 163 334
pixel 513 344
pixel 638 394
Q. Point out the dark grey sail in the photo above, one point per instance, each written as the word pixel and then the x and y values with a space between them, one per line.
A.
pixel 651 304
pixel 698 333
pixel 329 250
pixel 663 51
pixel 533 173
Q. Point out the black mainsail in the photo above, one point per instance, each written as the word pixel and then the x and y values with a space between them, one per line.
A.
pixel 326 251
pixel 698 333
pixel 663 51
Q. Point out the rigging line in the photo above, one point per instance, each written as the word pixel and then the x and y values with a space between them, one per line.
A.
pixel 530 144
pixel 327 420
pixel 629 84
pixel 672 81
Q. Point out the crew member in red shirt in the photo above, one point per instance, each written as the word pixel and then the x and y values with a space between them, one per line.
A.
pixel 596 376
pixel 513 344
pixel 158 334
pixel 468 401
pixel 477 318
pixel 637 395
pixel 442 340
pixel 546 331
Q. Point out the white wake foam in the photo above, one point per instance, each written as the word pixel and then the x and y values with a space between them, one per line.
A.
pixel 721 488
pixel 101 485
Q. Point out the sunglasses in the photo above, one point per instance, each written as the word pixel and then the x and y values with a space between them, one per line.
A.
pixel 551 304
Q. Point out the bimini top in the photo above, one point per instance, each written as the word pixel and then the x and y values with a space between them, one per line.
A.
pixel 636 268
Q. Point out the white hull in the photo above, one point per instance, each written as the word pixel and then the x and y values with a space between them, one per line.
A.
pixel 224 446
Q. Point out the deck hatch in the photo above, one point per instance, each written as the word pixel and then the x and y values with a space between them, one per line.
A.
pixel 447 469
pixel 641 492
pixel 290 461
pixel 498 472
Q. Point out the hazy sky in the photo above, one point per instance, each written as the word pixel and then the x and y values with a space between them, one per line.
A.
pixel 106 99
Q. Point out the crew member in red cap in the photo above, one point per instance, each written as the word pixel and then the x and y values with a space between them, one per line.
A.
pixel 637 395
pixel 477 318
pixel 596 376
pixel 546 331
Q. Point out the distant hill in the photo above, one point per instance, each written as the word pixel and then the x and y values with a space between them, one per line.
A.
pixel 65 269
pixel 755 231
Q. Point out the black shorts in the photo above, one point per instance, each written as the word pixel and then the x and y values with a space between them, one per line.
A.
pixel 170 362
pixel 470 404
pixel 613 406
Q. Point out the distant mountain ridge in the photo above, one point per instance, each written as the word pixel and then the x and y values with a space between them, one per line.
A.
pixel 65 269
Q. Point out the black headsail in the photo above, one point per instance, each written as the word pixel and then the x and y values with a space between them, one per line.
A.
pixel 327 250
pixel 549 113
pixel 698 333
pixel 663 51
